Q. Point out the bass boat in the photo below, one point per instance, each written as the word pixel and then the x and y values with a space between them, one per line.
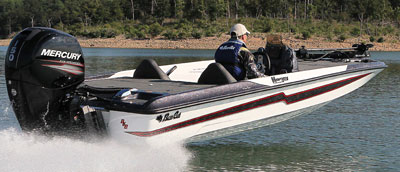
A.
pixel 45 78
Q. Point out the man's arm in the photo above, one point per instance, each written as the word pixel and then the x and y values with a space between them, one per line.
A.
pixel 247 59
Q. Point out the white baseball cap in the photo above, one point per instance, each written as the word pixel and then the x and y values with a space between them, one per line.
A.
pixel 239 29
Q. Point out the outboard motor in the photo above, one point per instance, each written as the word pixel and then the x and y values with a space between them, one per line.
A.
pixel 43 67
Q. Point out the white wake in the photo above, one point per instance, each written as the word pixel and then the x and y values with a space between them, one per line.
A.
pixel 22 152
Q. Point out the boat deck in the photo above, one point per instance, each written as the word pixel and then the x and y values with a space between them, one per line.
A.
pixel 310 65
pixel 150 85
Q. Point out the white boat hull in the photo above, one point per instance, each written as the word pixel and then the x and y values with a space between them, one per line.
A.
pixel 233 115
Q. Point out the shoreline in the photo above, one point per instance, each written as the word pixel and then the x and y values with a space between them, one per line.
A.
pixel 257 40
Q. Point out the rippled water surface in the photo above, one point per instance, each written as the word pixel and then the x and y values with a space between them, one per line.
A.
pixel 358 132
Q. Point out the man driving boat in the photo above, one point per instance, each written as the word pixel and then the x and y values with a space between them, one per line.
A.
pixel 235 56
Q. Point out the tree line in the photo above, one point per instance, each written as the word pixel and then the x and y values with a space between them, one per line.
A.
pixel 148 18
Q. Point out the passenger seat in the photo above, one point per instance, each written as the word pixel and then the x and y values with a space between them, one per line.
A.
pixel 215 73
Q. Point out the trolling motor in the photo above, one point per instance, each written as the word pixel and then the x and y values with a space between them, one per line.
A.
pixel 43 67
pixel 356 51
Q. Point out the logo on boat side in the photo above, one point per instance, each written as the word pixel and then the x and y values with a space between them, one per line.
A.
pixel 167 117
pixel 124 124
pixel 279 80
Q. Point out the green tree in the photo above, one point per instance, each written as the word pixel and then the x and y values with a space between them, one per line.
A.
pixel 178 8
pixel 10 18
pixel 396 16
pixel 155 29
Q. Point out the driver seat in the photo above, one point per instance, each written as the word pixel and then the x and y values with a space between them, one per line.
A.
pixel 280 55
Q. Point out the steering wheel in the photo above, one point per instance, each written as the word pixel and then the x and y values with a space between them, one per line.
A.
pixel 262 61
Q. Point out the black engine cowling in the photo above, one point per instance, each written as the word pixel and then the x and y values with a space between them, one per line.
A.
pixel 42 67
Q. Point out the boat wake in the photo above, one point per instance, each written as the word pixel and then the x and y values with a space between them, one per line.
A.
pixel 32 152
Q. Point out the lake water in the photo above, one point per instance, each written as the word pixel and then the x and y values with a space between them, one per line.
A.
pixel 358 132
